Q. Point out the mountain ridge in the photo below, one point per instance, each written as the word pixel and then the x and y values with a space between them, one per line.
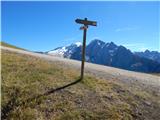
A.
pixel 110 54
pixel 153 55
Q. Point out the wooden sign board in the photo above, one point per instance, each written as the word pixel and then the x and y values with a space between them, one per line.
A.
pixel 86 22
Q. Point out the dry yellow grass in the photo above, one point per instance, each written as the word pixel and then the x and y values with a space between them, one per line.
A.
pixel 2 43
pixel 24 78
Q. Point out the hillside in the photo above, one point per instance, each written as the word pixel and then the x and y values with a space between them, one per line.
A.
pixel 35 88
pixel 2 43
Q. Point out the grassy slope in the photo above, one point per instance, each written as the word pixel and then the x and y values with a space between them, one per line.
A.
pixel 8 45
pixel 25 77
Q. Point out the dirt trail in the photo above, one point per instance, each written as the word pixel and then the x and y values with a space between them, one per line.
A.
pixel 129 77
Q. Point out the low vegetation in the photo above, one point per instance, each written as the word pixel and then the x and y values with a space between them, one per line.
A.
pixel 9 45
pixel 26 81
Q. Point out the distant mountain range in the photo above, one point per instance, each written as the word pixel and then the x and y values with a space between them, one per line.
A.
pixel 153 55
pixel 111 54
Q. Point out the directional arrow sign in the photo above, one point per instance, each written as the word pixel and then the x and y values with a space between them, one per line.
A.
pixel 86 22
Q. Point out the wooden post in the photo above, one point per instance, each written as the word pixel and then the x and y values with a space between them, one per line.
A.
pixel 83 50
pixel 85 22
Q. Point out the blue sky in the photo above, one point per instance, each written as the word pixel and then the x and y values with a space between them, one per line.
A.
pixel 42 26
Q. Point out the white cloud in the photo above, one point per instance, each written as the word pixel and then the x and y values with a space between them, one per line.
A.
pixel 140 47
pixel 134 45
pixel 143 49
pixel 126 29
pixel 137 46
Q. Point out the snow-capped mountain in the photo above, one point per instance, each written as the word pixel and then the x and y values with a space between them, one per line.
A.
pixel 153 55
pixel 65 51
pixel 108 54
pixel 60 51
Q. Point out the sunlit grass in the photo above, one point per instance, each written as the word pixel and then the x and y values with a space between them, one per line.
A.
pixel 2 43
pixel 25 77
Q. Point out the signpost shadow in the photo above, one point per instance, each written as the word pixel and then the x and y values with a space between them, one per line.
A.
pixel 63 87
pixel 11 105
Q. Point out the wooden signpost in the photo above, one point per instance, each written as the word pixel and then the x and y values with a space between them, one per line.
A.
pixel 85 22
